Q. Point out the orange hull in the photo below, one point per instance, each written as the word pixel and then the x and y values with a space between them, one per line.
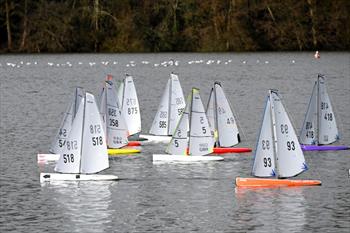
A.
pixel 134 143
pixel 261 182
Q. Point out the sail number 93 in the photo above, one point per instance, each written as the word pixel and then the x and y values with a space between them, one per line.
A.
pixel 267 162
pixel 290 145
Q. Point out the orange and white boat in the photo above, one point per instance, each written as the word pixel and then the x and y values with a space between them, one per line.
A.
pixel 278 153
pixel 261 182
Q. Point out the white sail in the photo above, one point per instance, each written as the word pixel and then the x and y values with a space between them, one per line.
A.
pixel 328 131
pixel 177 103
pixel 161 121
pixel 170 109
pixel 94 157
pixel 308 134
pixel 130 106
pixel 289 156
pixel 264 162
pixel 66 124
pixel 210 112
pixel 227 129
pixel 120 92
pixel 115 126
pixel 179 141
pixel 103 107
pixel 69 161
pixel 201 141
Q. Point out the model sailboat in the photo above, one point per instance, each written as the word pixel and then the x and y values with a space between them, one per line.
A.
pixel 223 122
pixel 169 111
pixel 63 131
pixel 278 153
pixel 85 150
pixel 113 121
pixel 129 106
pixel 192 138
pixel 320 128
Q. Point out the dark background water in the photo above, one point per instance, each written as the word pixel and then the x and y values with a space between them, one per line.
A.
pixel 35 90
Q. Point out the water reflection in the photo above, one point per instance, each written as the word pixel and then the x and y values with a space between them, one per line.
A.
pixel 85 206
pixel 271 210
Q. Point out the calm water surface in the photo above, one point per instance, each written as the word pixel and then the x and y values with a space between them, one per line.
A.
pixel 35 90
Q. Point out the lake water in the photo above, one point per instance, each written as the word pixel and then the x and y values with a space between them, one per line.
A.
pixel 35 90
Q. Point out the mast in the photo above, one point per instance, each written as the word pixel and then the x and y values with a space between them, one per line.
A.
pixel 169 104
pixel 75 102
pixel 216 117
pixel 274 133
pixel 190 122
pixel 82 134
pixel 124 86
pixel 318 111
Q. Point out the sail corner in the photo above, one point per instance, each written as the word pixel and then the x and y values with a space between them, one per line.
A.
pixel 305 167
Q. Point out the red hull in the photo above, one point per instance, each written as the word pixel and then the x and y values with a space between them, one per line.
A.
pixel 222 150
pixel 134 143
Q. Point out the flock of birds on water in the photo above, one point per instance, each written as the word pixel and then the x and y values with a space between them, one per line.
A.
pixel 167 63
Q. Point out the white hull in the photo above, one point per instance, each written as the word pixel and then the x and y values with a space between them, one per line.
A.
pixel 155 139
pixel 47 177
pixel 184 158
pixel 45 158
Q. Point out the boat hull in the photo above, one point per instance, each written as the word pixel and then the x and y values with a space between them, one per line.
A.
pixel 46 158
pixel 122 151
pixel 184 158
pixel 134 143
pixel 156 139
pixel 323 148
pixel 261 182
pixel 222 150
pixel 48 177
